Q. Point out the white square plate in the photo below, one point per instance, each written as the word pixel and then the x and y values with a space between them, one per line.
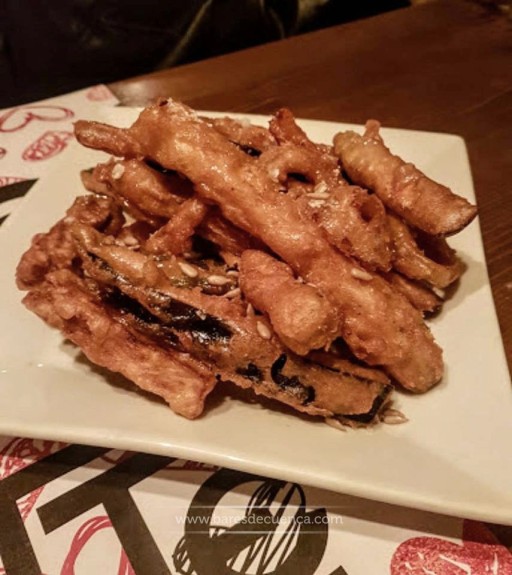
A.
pixel 453 456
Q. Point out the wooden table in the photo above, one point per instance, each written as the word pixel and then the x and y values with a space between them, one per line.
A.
pixel 444 66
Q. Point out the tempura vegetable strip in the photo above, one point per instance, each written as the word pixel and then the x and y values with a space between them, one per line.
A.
pixel 55 249
pixel 175 237
pixel 225 235
pixel 252 139
pixel 423 203
pixel 65 301
pixel 410 259
pixel 133 181
pixel 422 298
pixel 296 310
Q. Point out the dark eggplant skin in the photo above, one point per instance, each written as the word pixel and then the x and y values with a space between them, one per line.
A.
pixel 305 393
pixel 170 315
pixel 369 417
pixel 179 316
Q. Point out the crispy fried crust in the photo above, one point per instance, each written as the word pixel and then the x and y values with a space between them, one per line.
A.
pixel 423 203
pixel 253 139
pixel 296 310
pixel 420 296
pixel 56 249
pixel 410 257
pixel 175 236
pixel 353 220
pixel 65 302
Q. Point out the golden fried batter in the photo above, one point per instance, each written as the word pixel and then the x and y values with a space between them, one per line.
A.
pixel 302 318
pixel 423 203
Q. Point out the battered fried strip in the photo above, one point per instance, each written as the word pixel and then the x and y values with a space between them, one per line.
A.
pixel 410 257
pixel 225 235
pixel 379 325
pixel 175 236
pixel 107 138
pixel 64 301
pixel 217 330
pixel 285 129
pixel 149 196
pixel 56 249
pixel 296 310
pixel 137 184
pixel 92 184
pixel 422 298
pixel 353 220
pixel 423 203
pixel 246 135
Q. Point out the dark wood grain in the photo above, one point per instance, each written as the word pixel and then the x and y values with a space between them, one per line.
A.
pixel 444 66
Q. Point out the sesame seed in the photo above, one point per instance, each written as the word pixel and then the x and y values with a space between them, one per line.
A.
pixel 233 293
pixel 316 203
pixel 188 270
pixel 274 174
pixel 361 274
pixel 263 330
pixel 233 273
pixel 393 417
pixel 130 241
pixel 117 171
pixel 217 280
pixel 249 311
pixel 318 195
pixel 336 423
pixel 320 188
pixel 439 292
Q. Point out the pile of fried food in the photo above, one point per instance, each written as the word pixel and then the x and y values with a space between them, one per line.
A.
pixel 214 250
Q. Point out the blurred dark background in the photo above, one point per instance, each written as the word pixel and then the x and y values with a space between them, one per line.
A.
pixel 48 47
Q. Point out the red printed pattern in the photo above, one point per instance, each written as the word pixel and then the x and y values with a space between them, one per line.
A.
pixel 99 93
pixel 82 536
pixel 20 453
pixel 17 118
pixel 6 180
pixel 47 146
pixel 479 554
pixel 3 151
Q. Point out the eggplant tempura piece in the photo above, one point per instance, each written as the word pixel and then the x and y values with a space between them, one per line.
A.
pixel 56 249
pixel 217 331
pixel 420 296
pixel 109 338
